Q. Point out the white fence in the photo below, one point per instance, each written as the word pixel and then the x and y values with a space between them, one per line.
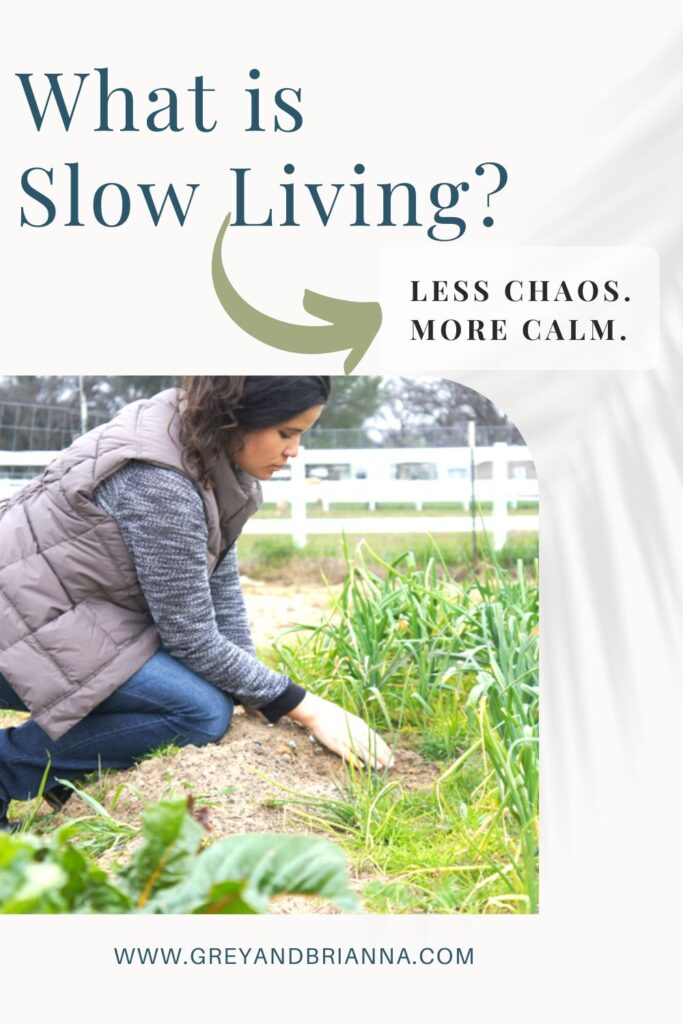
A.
pixel 504 476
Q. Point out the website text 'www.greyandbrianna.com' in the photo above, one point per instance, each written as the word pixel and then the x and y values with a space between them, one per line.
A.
pixel 275 956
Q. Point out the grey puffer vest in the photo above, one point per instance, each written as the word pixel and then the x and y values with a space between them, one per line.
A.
pixel 74 623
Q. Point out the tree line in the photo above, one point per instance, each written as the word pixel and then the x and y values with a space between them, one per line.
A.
pixel 406 412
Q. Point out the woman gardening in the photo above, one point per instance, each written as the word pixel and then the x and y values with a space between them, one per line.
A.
pixel 122 622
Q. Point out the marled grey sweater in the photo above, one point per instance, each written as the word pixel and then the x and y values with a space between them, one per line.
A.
pixel 201 621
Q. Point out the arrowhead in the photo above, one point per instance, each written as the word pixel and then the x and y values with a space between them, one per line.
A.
pixel 355 323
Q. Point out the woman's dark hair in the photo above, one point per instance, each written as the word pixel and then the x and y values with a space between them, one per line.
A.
pixel 218 412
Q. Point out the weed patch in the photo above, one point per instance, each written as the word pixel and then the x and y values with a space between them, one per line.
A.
pixel 454 665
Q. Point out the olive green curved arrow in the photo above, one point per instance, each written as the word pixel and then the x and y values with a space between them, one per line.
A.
pixel 351 325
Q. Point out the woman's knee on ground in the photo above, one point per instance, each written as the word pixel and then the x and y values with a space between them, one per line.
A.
pixel 196 711
pixel 206 720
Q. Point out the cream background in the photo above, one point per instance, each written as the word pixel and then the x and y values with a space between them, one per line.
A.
pixel 582 104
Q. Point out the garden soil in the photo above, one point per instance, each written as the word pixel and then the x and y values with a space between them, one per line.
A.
pixel 243 783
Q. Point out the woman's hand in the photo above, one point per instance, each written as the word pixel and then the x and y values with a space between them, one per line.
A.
pixel 340 731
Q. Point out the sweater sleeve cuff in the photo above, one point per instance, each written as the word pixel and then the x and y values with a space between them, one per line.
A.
pixel 290 698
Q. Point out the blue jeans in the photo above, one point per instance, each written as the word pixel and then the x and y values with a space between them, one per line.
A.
pixel 164 702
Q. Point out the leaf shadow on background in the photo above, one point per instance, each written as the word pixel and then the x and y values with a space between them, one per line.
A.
pixel 617 480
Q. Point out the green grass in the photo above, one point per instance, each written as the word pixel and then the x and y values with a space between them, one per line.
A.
pixel 100 832
pixel 383 510
pixel 96 833
pixel 164 750
pixel 8 715
pixel 416 857
pixel 261 556
pixel 451 665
